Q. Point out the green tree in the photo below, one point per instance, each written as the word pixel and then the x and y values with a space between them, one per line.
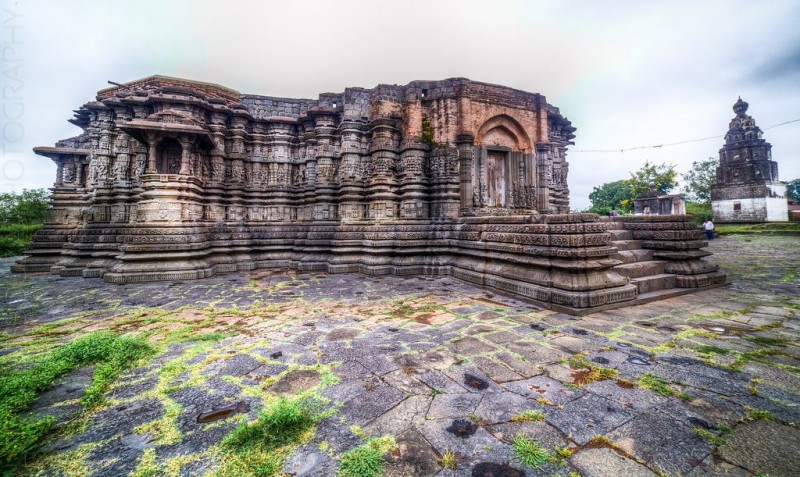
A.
pixel 663 176
pixel 793 190
pixel 698 181
pixel 620 194
pixel 611 194
pixel 27 207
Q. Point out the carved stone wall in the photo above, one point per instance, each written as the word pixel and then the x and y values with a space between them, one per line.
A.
pixel 175 179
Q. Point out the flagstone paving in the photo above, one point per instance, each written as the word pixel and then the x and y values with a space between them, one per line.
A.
pixel 703 384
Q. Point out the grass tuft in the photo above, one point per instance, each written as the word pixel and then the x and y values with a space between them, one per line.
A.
pixel 529 453
pixel 758 415
pixel 653 383
pixel 711 349
pixel 366 460
pixel 709 436
pixel 528 416
pixel 448 461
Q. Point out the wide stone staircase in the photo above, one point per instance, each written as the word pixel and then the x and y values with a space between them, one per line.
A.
pixel 641 268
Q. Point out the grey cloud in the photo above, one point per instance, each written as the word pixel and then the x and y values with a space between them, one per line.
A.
pixel 783 65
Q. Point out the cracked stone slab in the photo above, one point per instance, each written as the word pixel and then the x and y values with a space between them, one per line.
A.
pixel 629 397
pixel 501 406
pixel 114 457
pixel 470 346
pixel 453 405
pixel 406 382
pixel 547 435
pixel 371 403
pixel 536 353
pixel 120 419
pixel 604 462
pixel 413 456
pixel 352 370
pixel 296 381
pixel 481 443
pixel 441 382
pixel 497 372
pixel 754 446
pixel 574 344
pixel 543 387
pixel 707 406
pixel 379 365
pixel 266 371
pixel 661 442
pixel 429 360
pixel 713 466
pixel 400 418
pixel 588 416
pixel 342 334
pixel 337 433
pixel 523 368
pixel 472 379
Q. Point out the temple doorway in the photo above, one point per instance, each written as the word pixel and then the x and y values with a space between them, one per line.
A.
pixel 169 157
pixel 496 162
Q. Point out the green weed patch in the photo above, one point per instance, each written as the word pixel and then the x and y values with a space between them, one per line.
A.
pixel 108 352
pixel 366 460
pixel 259 448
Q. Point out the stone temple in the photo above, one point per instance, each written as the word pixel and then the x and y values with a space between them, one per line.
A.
pixel 747 187
pixel 175 179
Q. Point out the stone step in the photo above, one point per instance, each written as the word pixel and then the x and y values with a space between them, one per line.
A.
pixel 641 269
pixel 662 294
pixel 631 256
pixel 654 282
pixel 627 244
pixel 621 234
pixel 613 225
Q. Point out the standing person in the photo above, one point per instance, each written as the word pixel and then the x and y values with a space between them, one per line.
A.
pixel 709 226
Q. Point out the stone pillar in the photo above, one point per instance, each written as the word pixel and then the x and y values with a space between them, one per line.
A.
pixel 186 156
pixel 60 172
pixel 544 161
pixel 384 147
pixel 152 145
pixel 414 201
pixel 464 142
pixel 479 177
pixel 78 174
pixel 351 179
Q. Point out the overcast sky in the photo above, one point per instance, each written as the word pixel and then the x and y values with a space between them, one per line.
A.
pixel 626 73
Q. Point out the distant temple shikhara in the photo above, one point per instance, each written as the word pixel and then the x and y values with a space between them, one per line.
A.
pixel 176 179
pixel 747 188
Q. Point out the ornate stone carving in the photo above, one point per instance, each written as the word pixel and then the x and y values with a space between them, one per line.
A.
pixel 373 181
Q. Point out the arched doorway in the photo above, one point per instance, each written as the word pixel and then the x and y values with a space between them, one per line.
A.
pixel 505 166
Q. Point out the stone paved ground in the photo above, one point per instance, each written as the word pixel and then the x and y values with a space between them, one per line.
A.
pixel 704 384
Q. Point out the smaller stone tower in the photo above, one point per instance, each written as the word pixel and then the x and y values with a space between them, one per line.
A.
pixel 747 187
